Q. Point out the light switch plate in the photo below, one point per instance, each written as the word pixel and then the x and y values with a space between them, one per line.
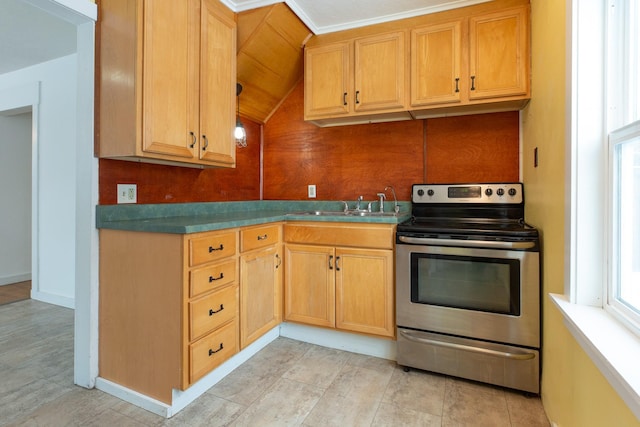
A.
pixel 312 191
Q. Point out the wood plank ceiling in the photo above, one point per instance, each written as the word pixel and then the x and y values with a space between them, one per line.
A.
pixel 270 57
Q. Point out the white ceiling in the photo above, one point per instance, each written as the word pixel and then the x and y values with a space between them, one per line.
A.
pixel 326 16
pixel 30 35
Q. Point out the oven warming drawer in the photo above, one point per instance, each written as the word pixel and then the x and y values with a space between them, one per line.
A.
pixel 502 365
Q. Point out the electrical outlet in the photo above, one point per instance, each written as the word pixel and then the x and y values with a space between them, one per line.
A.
pixel 312 191
pixel 127 193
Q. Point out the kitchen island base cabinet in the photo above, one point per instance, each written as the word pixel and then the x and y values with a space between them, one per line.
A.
pixel 340 276
pixel 164 319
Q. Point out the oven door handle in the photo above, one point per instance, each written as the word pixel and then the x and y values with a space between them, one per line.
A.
pixel 507 355
pixel 469 243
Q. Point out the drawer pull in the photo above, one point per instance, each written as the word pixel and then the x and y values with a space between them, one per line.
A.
pixel 473 82
pixel 337 261
pixel 212 311
pixel 264 237
pixel 330 259
pixel 279 263
pixel 212 279
pixel 211 248
pixel 211 352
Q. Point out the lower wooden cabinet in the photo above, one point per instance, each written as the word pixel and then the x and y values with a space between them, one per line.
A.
pixel 168 308
pixel 340 276
pixel 260 281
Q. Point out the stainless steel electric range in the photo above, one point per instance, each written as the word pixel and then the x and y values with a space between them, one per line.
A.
pixel 468 285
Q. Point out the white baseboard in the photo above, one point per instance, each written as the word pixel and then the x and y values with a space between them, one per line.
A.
pixel 355 343
pixel 181 399
pixel 53 299
pixel 14 278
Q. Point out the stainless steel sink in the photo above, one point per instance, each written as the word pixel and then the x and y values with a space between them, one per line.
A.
pixel 343 213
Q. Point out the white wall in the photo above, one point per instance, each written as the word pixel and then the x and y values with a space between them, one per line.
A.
pixel 15 198
pixel 56 185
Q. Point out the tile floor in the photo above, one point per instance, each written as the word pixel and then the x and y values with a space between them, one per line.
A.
pixel 288 383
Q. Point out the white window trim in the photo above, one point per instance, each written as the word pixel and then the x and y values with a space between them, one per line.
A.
pixel 612 347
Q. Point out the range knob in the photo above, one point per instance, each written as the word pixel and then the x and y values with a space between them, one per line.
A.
pixel 488 192
pixel 430 192
pixel 512 192
pixel 500 192
pixel 421 192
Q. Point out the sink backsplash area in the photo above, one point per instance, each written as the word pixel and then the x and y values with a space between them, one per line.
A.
pixel 287 154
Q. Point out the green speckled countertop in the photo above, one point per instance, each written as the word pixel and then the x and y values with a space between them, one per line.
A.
pixel 184 218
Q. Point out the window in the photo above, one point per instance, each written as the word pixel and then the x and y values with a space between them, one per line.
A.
pixel 623 123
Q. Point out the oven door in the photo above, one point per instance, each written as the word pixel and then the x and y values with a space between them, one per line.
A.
pixel 487 294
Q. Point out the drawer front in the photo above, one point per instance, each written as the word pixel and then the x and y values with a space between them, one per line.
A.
pixel 375 236
pixel 211 311
pixel 212 247
pixel 212 277
pixel 259 237
pixel 212 350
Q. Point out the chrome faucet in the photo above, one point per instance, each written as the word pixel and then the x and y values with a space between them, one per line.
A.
pixel 360 198
pixel 382 198
pixel 396 207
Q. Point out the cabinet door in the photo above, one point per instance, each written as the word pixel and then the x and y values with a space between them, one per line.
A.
pixel 380 72
pixel 168 71
pixel 436 53
pixel 327 81
pixel 260 293
pixel 499 61
pixel 364 291
pixel 310 284
pixel 217 84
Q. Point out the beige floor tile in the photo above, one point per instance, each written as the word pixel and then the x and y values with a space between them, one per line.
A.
pixel 416 390
pixel 319 366
pixel 389 415
pixel 353 397
pixel 287 403
pixel 473 404
pixel 207 410
pixel 250 381
pixel 525 411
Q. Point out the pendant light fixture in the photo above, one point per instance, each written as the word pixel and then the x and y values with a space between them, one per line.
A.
pixel 240 133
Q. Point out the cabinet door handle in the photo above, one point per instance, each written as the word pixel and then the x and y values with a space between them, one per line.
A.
pixel 263 237
pixel 330 259
pixel 457 89
pixel 279 263
pixel 211 248
pixel 206 142
pixel 473 82
pixel 337 261
pixel 193 140
pixel 344 98
pixel 215 351
pixel 357 97
pixel 213 279
pixel 212 311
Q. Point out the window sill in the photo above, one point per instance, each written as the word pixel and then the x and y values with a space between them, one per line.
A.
pixel 613 348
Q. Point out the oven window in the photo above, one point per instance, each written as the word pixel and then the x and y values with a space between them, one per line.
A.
pixel 473 283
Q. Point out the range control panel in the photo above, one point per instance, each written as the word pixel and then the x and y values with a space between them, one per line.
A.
pixel 511 193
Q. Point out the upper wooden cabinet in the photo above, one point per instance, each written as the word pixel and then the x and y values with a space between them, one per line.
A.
pixel 166 74
pixel 463 61
pixel 361 78
pixel 499 54
pixel 480 62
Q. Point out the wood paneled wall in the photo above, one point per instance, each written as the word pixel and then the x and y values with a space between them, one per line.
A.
pixel 343 162
pixel 348 161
